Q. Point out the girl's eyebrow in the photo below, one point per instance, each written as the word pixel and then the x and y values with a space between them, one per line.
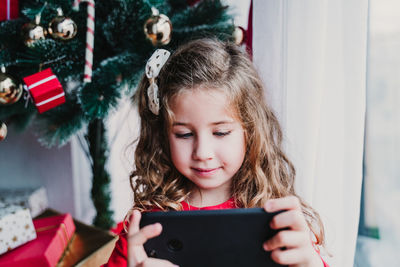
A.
pixel 177 123
pixel 222 122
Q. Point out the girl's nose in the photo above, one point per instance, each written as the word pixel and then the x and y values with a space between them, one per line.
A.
pixel 202 149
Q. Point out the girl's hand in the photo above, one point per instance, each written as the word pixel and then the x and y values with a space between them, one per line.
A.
pixel 137 237
pixel 292 246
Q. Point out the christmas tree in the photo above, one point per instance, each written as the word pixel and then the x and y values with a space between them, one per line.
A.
pixel 126 33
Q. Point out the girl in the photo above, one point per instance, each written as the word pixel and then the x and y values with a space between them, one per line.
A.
pixel 208 140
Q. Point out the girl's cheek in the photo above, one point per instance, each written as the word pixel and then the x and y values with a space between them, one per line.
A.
pixel 183 148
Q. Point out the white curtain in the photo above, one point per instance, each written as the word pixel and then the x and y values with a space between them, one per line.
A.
pixel 312 58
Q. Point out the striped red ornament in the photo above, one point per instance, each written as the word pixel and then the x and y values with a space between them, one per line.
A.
pixel 8 9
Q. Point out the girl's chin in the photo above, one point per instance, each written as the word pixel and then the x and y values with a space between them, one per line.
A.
pixel 209 184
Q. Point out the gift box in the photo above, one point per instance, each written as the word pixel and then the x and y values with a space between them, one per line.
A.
pixel 45 89
pixel 89 247
pixel 8 9
pixel 35 199
pixel 53 236
pixel 16 227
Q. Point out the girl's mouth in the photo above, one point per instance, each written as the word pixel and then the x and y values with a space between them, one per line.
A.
pixel 205 172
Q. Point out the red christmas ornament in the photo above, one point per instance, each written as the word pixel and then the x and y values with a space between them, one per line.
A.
pixel 45 90
pixel 8 9
pixel 192 2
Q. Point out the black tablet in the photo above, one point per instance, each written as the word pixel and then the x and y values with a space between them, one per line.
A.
pixel 231 237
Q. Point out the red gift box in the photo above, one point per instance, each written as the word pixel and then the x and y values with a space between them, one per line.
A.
pixel 53 235
pixel 8 9
pixel 45 89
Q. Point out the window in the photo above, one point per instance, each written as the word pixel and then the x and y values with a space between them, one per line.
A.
pixel 379 234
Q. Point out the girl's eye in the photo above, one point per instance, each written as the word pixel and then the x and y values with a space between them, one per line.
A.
pixel 184 135
pixel 222 133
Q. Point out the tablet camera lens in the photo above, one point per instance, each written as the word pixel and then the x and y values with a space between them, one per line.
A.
pixel 153 253
pixel 175 245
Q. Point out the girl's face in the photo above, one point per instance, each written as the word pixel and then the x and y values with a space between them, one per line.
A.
pixel 207 140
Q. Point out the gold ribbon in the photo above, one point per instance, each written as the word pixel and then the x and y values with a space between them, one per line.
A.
pixel 62 225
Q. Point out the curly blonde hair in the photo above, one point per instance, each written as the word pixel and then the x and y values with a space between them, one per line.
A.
pixel 266 172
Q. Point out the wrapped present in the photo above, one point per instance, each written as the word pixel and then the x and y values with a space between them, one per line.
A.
pixel 89 247
pixel 45 89
pixel 35 199
pixel 16 227
pixel 8 9
pixel 53 236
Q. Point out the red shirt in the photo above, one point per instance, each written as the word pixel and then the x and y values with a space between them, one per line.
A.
pixel 120 252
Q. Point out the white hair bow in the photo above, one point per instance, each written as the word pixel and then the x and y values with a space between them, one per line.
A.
pixel 153 67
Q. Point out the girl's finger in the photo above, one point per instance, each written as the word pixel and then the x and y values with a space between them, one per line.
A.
pixel 293 219
pixel 136 253
pixel 137 237
pixel 134 222
pixel 144 234
pixel 286 239
pixel 285 203
pixel 288 256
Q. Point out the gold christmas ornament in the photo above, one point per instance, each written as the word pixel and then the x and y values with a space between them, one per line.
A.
pixel 3 131
pixel 33 31
pixel 61 27
pixel 10 90
pixel 158 28
pixel 239 35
